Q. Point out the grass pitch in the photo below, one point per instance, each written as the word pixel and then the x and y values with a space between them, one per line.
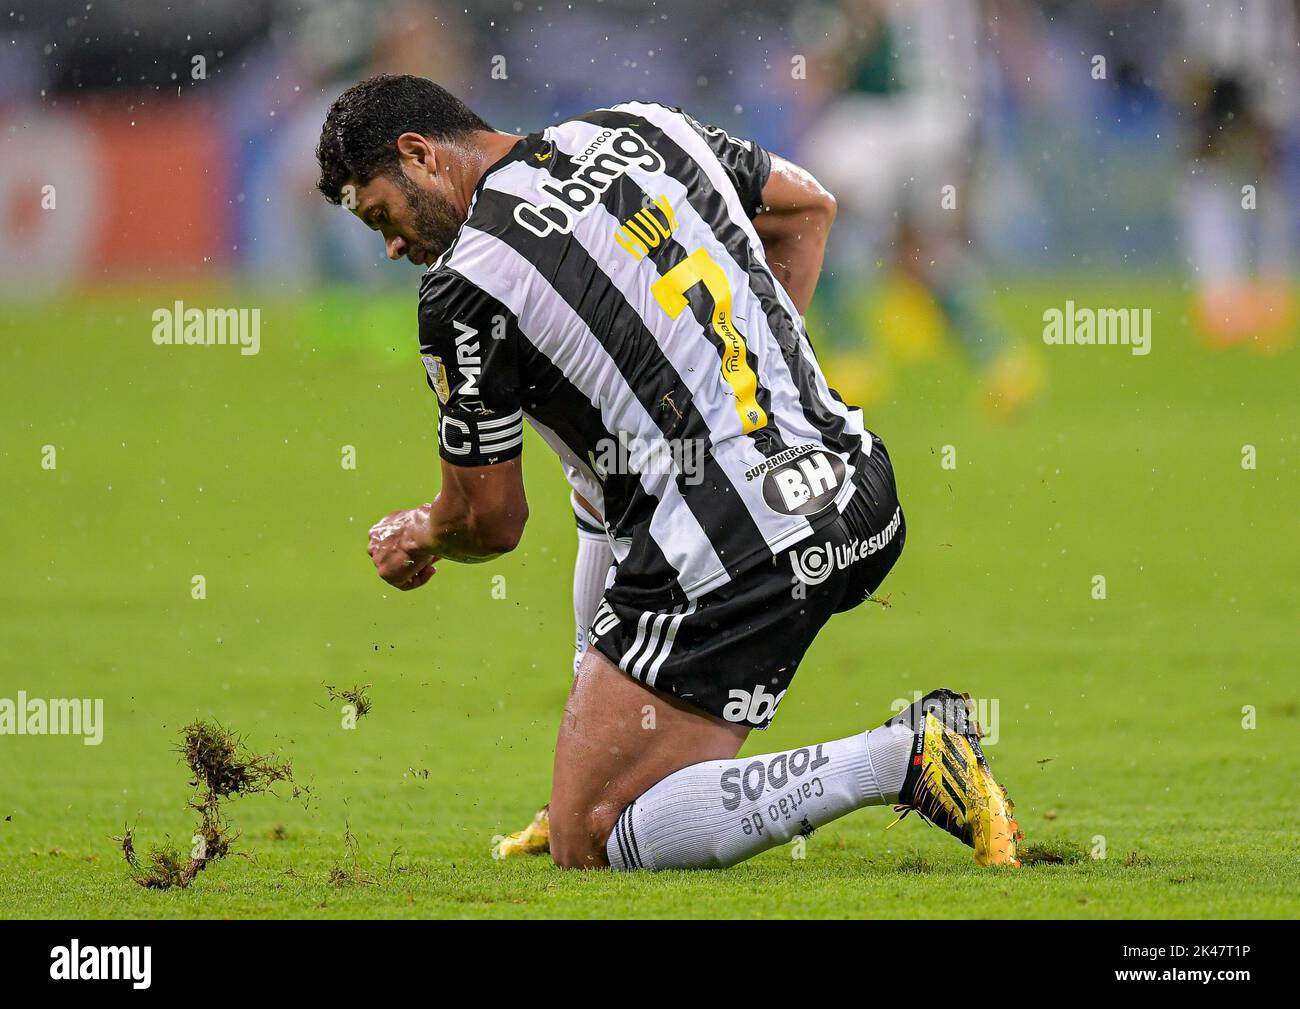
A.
pixel 1119 720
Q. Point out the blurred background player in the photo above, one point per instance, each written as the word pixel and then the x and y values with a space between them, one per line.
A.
pixel 1234 79
pixel 898 143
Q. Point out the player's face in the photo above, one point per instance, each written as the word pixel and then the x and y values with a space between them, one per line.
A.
pixel 417 220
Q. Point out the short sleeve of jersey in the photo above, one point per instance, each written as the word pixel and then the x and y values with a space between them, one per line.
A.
pixel 746 163
pixel 469 343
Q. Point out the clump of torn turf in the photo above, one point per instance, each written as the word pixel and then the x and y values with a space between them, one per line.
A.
pixel 213 832
pixel 127 841
pixel 915 864
pixel 351 873
pixel 357 697
pixel 166 867
pixel 221 767
pixel 1052 853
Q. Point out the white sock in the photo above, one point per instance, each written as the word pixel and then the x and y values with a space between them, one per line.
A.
pixel 1214 230
pixel 721 812
pixel 1274 233
pixel 590 569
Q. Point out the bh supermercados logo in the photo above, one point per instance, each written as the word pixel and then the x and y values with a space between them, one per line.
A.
pixel 801 481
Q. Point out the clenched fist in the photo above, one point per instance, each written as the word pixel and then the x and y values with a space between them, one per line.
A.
pixel 400 546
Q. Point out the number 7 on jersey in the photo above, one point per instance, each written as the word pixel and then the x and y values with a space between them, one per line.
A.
pixel 670 291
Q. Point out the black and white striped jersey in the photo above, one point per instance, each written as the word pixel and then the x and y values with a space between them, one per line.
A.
pixel 609 287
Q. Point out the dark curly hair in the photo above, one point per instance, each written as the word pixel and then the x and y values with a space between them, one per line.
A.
pixel 359 139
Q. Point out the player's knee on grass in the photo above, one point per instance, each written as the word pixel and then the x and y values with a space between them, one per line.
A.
pixel 578 837
pixel 607 754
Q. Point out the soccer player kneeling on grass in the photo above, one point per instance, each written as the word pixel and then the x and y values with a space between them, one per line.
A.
pixel 631 282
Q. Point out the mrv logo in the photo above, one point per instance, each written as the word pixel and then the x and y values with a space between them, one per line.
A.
pixel 75 962
pixel 801 480
pixel 469 357
pixel 604 161
pixel 776 773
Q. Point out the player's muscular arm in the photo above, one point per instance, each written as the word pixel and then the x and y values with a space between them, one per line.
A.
pixel 479 514
pixel 795 222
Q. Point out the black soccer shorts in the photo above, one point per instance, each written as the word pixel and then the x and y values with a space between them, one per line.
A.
pixel 733 652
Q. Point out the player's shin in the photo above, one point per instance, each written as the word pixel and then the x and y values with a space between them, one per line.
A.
pixel 720 812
